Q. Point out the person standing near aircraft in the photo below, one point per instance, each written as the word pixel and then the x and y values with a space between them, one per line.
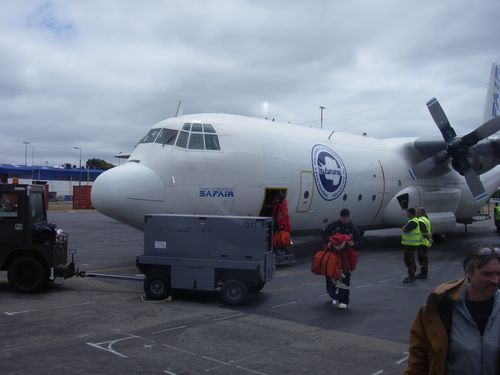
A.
pixel 425 243
pixel 339 290
pixel 410 239
pixel 497 217
pixel 458 330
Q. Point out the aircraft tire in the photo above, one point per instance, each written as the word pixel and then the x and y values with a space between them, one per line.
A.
pixel 27 275
pixel 234 292
pixel 157 286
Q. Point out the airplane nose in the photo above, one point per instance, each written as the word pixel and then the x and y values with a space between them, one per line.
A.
pixel 127 192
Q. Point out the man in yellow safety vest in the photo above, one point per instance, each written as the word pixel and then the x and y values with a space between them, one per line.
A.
pixel 497 217
pixel 425 243
pixel 410 239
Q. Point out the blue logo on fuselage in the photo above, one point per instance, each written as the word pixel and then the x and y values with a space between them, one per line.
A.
pixel 330 173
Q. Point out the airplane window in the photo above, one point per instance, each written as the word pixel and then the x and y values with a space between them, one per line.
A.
pixel 374 197
pixel 208 128
pixel 196 142
pixel 187 126
pixel 360 196
pixel 182 139
pixel 197 128
pixel 344 198
pixel 151 136
pixel 211 142
pixel 167 137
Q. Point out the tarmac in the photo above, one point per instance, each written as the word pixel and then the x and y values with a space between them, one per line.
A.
pixel 98 326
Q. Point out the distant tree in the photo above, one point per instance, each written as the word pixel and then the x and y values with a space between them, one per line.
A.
pixel 99 164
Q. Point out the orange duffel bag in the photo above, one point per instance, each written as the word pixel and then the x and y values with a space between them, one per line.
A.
pixel 281 239
pixel 326 263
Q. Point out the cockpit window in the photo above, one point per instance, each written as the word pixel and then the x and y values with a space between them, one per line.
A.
pixel 167 137
pixel 151 136
pixel 196 128
pixel 207 128
pixel 196 142
pixel 211 142
pixel 187 126
pixel 182 140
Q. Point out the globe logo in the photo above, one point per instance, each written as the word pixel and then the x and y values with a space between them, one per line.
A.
pixel 330 173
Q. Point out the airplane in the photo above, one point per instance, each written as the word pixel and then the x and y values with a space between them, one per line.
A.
pixel 222 164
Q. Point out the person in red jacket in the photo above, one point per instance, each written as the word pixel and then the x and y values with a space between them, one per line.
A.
pixel 338 290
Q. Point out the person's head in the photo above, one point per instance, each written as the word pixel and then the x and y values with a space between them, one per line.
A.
pixel 345 216
pixel 482 269
pixel 411 212
pixel 420 211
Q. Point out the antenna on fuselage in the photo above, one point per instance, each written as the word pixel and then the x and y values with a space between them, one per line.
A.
pixel 179 109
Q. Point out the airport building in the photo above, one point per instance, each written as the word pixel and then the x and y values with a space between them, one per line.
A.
pixel 60 180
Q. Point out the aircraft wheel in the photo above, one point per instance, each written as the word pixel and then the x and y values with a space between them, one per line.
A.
pixel 157 286
pixel 27 275
pixel 234 292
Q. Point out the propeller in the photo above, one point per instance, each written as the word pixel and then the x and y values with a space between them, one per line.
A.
pixel 457 149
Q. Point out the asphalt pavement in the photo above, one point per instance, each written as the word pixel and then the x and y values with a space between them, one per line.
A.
pixel 97 326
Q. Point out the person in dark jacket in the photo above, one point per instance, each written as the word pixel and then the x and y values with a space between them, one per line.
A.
pixel 338 290
pixel 458 330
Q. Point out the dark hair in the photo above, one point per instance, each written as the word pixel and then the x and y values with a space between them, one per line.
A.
pixel 344 212
pixel 412 211
pixel 479 255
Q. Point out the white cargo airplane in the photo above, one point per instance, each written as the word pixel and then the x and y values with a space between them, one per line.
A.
pixel 219 164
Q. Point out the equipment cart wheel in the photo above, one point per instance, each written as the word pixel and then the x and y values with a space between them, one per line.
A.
pixel 157 286
pixel 234 292
pixel 257 287
pixel 27 275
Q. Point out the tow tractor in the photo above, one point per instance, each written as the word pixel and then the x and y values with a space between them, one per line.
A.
pixel 32 251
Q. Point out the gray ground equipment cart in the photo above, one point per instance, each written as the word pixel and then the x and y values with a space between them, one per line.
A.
pixel 230 253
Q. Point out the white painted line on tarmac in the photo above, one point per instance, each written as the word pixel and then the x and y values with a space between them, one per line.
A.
pixel 215 360
pixel 227 317
pixel 323 295
pixel 284 304
pixel 378 372
pixel 386 280
pixel 109 346
pixel 51 308
pixel 168 329
pixel 362 286
pixel 169 373
pixel 403 359
pixel 18 312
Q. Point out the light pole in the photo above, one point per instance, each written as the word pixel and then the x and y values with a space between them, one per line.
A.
pixel 80 178
pixel 26 143
pixel 321 109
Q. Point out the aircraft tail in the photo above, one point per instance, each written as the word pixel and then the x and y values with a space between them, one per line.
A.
pixel 492 106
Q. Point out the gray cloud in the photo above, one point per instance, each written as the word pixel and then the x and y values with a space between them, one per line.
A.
pixel 97 74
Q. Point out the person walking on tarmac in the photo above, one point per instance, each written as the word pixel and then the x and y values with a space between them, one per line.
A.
pixel 339 290
pixel 410 239
pixel 425 243
pixel 497 217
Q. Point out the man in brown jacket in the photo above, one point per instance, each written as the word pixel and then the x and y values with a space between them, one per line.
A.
pixel 458 330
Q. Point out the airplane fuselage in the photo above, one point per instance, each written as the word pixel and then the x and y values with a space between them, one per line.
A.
pixel 321 172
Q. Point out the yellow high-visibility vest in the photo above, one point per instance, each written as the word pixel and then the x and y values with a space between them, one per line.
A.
pixel 413 237
pixel 425 241
pixel 497 212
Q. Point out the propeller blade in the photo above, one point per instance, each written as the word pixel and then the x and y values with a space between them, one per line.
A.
pixel 490 127
pixel 425 166
pixel 441 120
pixel 475 185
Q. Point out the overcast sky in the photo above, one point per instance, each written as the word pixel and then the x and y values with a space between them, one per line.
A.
pixel 98 74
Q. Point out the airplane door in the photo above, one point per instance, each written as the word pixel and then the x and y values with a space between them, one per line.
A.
pixel 306 191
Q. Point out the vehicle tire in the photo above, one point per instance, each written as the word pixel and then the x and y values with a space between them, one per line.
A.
pixel 257 287
pixel 157 286
pixel 234 292
pixel 27 275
